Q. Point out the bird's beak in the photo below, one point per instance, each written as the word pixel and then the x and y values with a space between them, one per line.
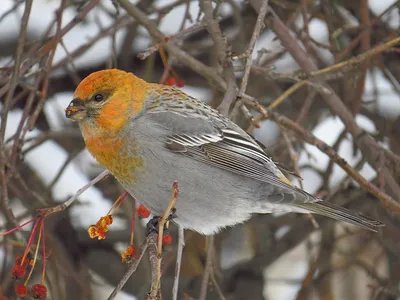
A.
pixel 76 110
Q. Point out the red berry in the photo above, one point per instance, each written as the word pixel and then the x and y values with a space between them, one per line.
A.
pixel 180 83
pixel 18 272
pixel 170 81
pixel 143 211
pixel 39 291
pixel 21 290
pixel 18 261
pixel 167 240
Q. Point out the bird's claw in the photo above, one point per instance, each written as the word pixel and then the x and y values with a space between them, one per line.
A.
pixel 172 215
pixel 152 225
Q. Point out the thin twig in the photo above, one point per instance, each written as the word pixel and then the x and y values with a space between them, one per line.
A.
pixel 207 269
pixel 17 65
pixel 155 284
pixel 12 85
pixel 222 50
pixel 364 66
pixel 66 204
pixel 387 201
pixel 364 141
pixel 11 10
pixel 249 52
pixel 62 168
pixel 357 39
pixel 149 51
pixel 57 37
pixel 51 44
pixel 180 55
pixel 181 244
pixel 292 155
pixel 344 66
pixel 18 142
pixel 133 266
pixel 216 285
pixel 118 24
pixel 154 259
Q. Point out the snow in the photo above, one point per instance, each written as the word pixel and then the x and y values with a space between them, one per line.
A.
pixel 267 41
pixel 328 131
pixel 318 30
pixel 101 289
pixel 284 276
pixel 42 15
pixel 387 101
pixel 268 133
pixel 54 109
pixel 199 93
pixel 392 18
pixel 171 23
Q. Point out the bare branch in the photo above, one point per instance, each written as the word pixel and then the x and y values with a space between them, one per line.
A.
pixel 181 244
pixel 249 52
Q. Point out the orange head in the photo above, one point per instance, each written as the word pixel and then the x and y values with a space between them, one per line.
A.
pixel 106 99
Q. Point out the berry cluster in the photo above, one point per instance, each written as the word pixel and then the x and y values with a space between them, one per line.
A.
pixel 101 227
pixel 23 265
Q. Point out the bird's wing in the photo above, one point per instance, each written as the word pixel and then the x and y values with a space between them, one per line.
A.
pixel 202 133
pixel 194 129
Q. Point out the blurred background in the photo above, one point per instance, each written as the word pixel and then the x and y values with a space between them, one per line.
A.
pixel 48 46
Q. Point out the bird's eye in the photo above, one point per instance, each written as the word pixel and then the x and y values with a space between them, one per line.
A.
pixel 98 97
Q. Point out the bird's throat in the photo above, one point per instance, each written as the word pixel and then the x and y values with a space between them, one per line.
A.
pixel 111 152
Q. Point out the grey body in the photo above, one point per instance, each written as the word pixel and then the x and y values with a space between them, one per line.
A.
pixel 209 197
pixel 224 175
pixel 160 135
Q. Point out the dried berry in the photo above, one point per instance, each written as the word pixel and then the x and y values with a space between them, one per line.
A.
pixel 18 272
pixel 18 261
pixel 21 290
pixel 39 291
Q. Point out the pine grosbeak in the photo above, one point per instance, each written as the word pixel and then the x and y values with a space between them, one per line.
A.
pixel 148 135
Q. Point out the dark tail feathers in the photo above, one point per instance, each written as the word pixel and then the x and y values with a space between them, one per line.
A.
pixel 339 213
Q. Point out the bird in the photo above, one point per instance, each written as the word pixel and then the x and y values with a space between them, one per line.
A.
pixel 149 135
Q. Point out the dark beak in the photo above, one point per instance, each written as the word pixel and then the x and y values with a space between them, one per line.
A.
pixel 75 110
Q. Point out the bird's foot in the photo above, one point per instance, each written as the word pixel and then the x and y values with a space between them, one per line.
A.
pixel 152 225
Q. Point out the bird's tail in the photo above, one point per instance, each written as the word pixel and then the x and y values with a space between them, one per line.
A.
pixel 339 213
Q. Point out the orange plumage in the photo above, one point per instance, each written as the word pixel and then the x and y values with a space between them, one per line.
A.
pixel 102 131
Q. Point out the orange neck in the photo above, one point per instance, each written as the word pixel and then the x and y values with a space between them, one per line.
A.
pixel 111 152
